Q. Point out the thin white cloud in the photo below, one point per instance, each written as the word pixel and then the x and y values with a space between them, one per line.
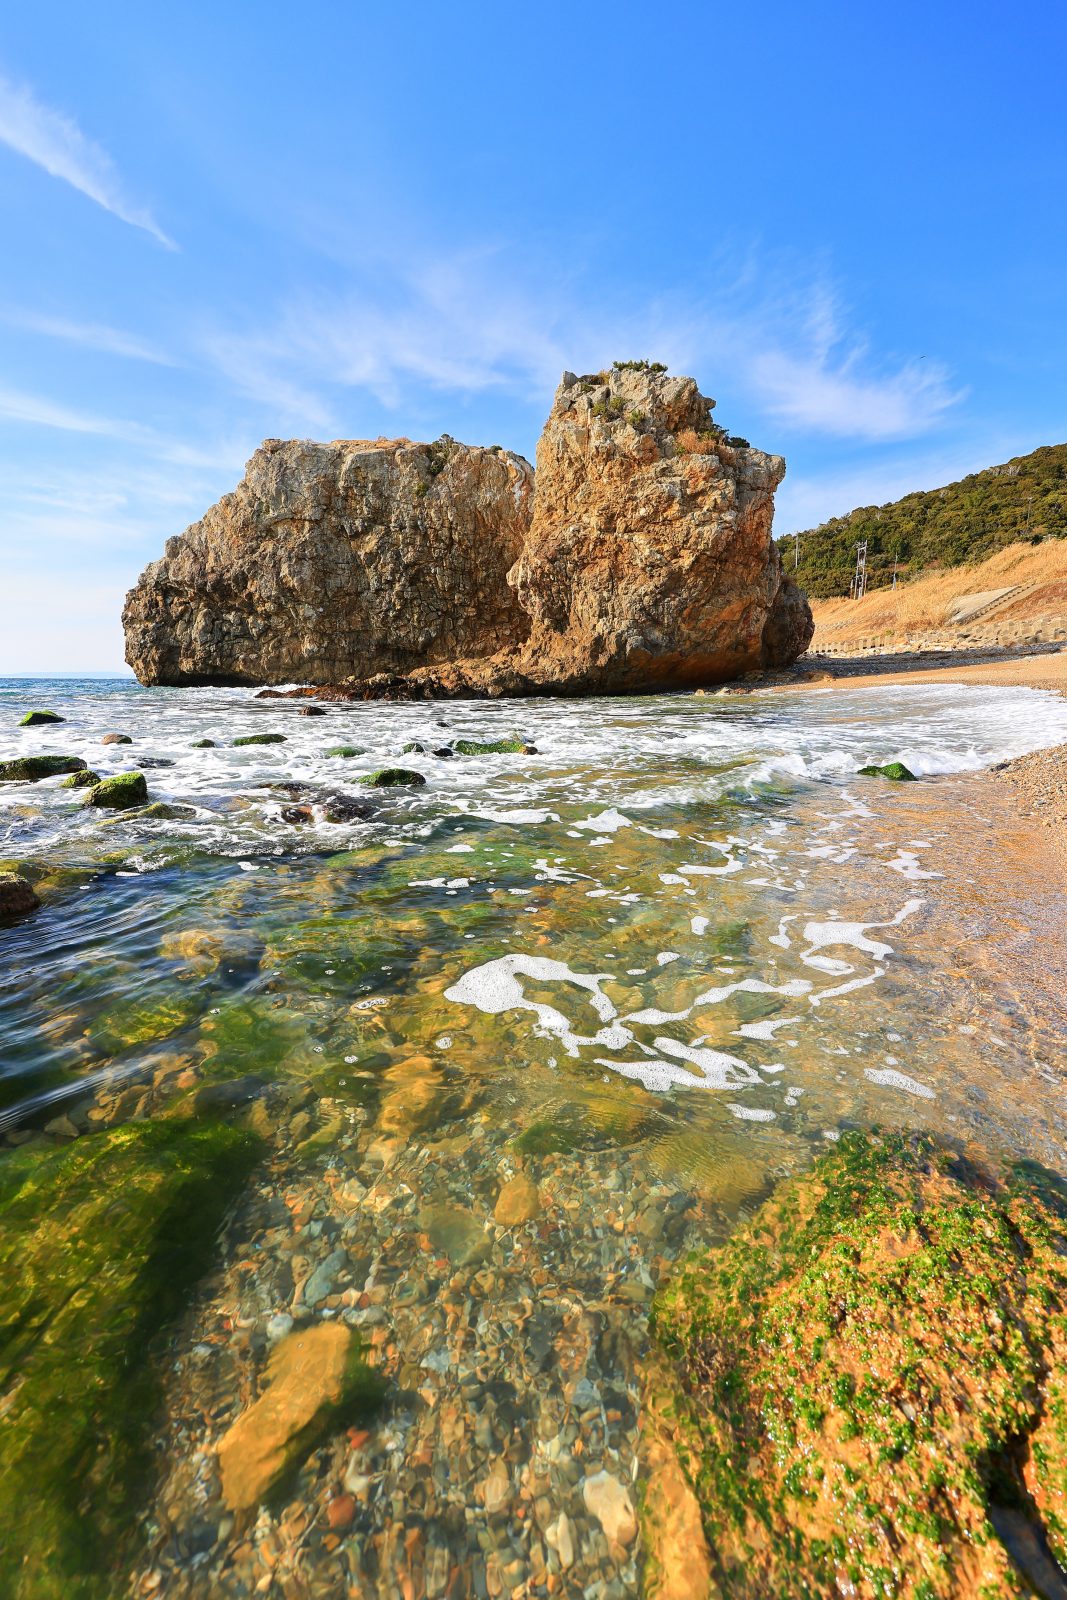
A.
pixel 53 141
pixel 472 324
pixel 91 335
pixel 36 411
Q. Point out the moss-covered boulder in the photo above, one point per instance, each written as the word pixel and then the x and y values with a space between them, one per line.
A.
pixel 343 750
pixel 165 811
pixel 260 738
pixel 85 779
pixel 413 748
pixel 116 738
pixel 870 1381
pixel 203 744
pixel 895 771
pixel 30 769
pixel 37 719
pixel 17 895
pixel 493 747
pixel 101 1244
pixel 389 777
pixel 119 793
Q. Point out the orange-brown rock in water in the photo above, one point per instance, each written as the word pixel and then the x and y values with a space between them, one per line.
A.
pixel 644 561
pixel 338 561
pixel 650 562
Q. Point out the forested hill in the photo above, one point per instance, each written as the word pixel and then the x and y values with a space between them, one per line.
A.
pixel 966 521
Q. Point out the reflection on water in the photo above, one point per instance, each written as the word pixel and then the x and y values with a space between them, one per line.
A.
pixel 645 973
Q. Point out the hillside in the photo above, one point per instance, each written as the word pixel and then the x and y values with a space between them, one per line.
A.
pixel 964 522
pixel 1018 596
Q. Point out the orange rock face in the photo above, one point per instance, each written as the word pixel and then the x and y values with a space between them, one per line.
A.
pixel 643 561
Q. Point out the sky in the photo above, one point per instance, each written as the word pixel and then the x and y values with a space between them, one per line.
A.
pixel 229 223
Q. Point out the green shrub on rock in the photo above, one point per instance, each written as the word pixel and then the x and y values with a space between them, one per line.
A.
pixel 119 793
pixel 30 769
pixel 872 1374
pixel 388 777
pixel 35 719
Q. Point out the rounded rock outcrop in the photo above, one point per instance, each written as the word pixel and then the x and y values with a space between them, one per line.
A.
pixel 338 561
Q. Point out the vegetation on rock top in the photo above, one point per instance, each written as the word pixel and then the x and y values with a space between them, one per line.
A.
pixel 871 1377
pixel 1026 498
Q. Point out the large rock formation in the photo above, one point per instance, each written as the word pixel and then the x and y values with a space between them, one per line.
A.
pixel 338 561
pixel 645 560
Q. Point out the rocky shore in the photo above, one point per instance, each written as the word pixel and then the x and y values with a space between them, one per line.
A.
pixel 643 561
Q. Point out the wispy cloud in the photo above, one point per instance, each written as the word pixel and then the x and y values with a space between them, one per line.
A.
pixel 781 344
pixel 91 335
pixel 39 412
pixel 53 141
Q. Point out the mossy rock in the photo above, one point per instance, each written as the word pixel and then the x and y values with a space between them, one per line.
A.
pixel 164 811
pixel 260 738
pixel 202 744
pixel 343 750
pixel 413 748
pixel 493 747
pixel 17 895
pixel 119 793
pixel 869 1381
pixel 85 779
pixel 101 1244
pixel 37 719
pixel 896 771
pixel 389 777
pixel 31 769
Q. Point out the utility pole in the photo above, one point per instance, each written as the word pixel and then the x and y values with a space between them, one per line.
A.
pixel 859 581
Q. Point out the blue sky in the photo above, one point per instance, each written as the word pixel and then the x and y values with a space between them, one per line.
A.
pixel 224 223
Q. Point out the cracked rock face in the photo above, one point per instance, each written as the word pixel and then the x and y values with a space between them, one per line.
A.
pixel 644 562
pixel 338 561
pixel 650 562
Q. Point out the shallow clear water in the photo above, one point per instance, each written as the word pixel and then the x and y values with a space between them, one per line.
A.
pixel 684 919
pixel 648 970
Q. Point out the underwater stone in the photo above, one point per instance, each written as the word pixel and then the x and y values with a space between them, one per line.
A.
pixel 35 719
pixel 30 769
pixel 311 1377
pixel 119 793
pixel 387 777
pixel 164 811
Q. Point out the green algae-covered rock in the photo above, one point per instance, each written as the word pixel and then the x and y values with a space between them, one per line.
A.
pixel 164 811
pixel 413 748
pixel 101 1245
pixel 493 747
pixel 119 793
pixel 260 738
pixel 896 771
pixel 388 777
pixel 85 779
pixel 35 719
pixel 30 769
pixel 343 750
pixel 203 744
pixel 870 1378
